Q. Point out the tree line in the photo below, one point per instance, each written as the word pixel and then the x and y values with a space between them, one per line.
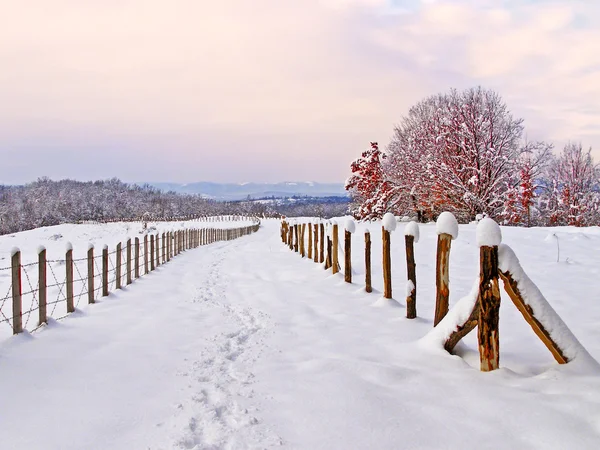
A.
pixel 464 152
pixel 46 202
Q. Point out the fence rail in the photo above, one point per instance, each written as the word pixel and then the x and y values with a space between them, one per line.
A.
pixel 56 287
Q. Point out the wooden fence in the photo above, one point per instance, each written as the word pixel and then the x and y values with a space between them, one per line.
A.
pixel 97 274
pixel 481 313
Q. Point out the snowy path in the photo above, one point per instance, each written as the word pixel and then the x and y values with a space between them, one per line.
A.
pixel 245 345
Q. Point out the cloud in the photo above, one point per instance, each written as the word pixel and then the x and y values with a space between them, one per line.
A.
pixel 267 81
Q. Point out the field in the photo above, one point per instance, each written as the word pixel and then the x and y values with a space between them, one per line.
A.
pixel 244 344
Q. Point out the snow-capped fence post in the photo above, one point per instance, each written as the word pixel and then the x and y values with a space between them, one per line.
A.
pixel 368 286
pixel 310 241
pixel 316 242
pixel 145 254
pixel 90 273
pixel 17 303
pixel 350 228
pixel 489 238
pixel 322 243
pixel 389 225
pixel 118 267
pixel 137 257
pixel 411 235
pixel 69 278
pixel 447 230
pixel 42 286
pixel 129 261
pixel 105 271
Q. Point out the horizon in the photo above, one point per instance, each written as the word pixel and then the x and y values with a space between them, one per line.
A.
pixel 266 91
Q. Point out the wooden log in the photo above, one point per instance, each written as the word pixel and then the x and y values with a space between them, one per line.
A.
pixel 347 256
pixel 463 329
pixel 42 287
pixel 105 272
pixel 442 277
pixel 118 267
pixel 137 257
pixel 128 261
pixel 411 273
pixel 368 286
pixel 69 280
pixel 489 309
pixel 387 264
pixel 512 289
pixel 316 242
pixel 164 248
pixel 90 275
pixel 17 298
pixel 335 265
pixel 310 242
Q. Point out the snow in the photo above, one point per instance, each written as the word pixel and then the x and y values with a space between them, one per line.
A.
pixel 389 222
pixel 14 250
pixel 350 226
pixel 243 344
pixel 488 233
pixel 40 249
pixel 410 286
pixel 90 246
pixel 412 229
pixel 447 224
pixel 68 247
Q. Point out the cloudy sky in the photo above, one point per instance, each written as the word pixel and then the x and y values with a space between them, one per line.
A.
pixel 272 90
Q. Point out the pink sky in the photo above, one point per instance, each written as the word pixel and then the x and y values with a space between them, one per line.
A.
pixel 271 90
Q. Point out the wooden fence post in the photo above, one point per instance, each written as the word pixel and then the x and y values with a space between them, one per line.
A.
pixel 137 257
pixel 105 271
pixel 387 264
pixel 411 235
pixel 17 299
pixel 296 235
pixel 151 252
pixel 447 229
pixel 328 258
pixel 145 254
pixel 310 240
pixel 411 291
pixel 157 255
pixel 90 273
pixel 368 286
pixel 350 228
pixel 388 225
pixel 316 242
pixel 322 243
pixel 291 237
pixel 335 245
pixel 129 261
pixel 42 286
pixel 302 233
pixel 118 266
pixel 69 278
pixel 489 238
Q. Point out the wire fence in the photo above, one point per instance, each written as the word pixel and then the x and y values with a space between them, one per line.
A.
pixel 54 288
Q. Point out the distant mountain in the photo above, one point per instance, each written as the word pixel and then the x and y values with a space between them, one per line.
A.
pixel 241 191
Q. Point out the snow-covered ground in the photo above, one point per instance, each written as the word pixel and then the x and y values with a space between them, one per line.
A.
pixel 244 344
